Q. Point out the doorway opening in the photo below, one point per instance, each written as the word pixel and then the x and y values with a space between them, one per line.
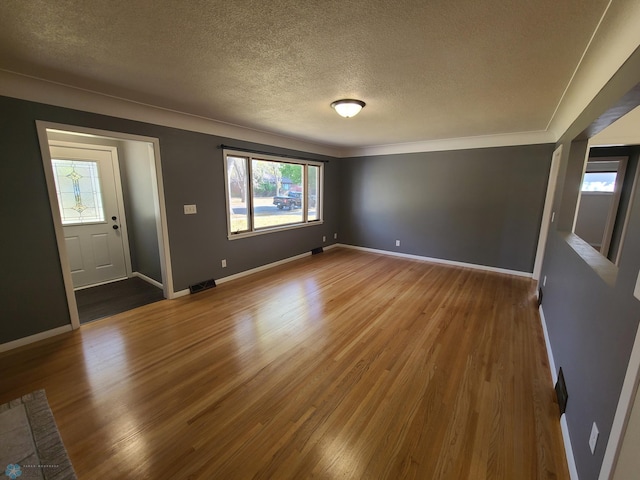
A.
pixel 608 187
pixel 111 298
pixel 107 205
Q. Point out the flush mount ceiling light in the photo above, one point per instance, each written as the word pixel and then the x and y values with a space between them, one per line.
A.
pixel 347 107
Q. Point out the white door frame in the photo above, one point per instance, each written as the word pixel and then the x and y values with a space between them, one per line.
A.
pixel 161 214
pixel 627 217
pixel 122 218
pixel 623 411
pixel 547 214
pixel 615 204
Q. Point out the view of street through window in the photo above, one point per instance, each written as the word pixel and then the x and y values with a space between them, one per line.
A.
pixel 277 192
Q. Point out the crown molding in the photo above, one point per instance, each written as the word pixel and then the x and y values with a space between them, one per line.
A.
pixel 43 91
pixel 462 143
pixel 52 93
pixel 613 42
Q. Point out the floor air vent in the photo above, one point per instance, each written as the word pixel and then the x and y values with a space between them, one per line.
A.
pixel 315 251
pixel 539 296
pixel 198 287
pixel 561 392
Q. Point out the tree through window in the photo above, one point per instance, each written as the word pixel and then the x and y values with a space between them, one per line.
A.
pixel 266 193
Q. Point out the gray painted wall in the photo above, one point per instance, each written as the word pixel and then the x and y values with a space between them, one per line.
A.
pixel 32 295
pixel 137 180
pixel 32 290
pixel 591 321
pixel 592 217
pixel 480 206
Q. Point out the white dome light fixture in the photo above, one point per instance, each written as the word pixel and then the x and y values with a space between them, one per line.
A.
pixel 347 107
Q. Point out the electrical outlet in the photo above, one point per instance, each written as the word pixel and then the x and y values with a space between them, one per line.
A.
pixel 190 210
pixel 593 438
pixel 335 236
pixel 544 281
pixel 324 238
pixel 224 263
pixel 397 243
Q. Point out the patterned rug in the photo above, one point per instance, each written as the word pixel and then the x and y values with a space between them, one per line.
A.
pixel 30 444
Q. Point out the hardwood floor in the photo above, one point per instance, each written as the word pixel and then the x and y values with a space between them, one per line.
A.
pixel 339 365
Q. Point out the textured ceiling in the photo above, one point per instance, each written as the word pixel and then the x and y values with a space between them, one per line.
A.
pixel 427 70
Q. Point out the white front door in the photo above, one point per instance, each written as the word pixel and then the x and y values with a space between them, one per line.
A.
pixel 88 194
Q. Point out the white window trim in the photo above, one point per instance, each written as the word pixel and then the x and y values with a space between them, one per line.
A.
pixel 277 228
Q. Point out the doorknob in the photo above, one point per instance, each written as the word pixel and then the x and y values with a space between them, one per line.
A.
pixel 115 227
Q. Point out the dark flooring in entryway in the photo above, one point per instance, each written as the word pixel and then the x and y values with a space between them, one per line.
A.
pixel 116 297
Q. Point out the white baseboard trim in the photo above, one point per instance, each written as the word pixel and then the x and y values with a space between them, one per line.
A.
pixel 571 463
pixel 181 293
pixel 552 363
pixel 251 271
pixel 34 338
pixel 150 280
pixel 568 450
pixel 261 268
pixel 440 260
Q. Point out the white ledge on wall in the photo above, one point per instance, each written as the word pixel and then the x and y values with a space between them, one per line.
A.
pixel 600 264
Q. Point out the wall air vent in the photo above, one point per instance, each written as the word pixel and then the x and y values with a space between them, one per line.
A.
pixel 316 251
pixel 198 287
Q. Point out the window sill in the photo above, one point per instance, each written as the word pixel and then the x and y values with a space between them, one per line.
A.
pixel 607 271
pixel 264 231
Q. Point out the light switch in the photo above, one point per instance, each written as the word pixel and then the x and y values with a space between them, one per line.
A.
pixel 190 210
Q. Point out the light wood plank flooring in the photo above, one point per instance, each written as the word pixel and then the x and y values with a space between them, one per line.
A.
pixel 340 365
